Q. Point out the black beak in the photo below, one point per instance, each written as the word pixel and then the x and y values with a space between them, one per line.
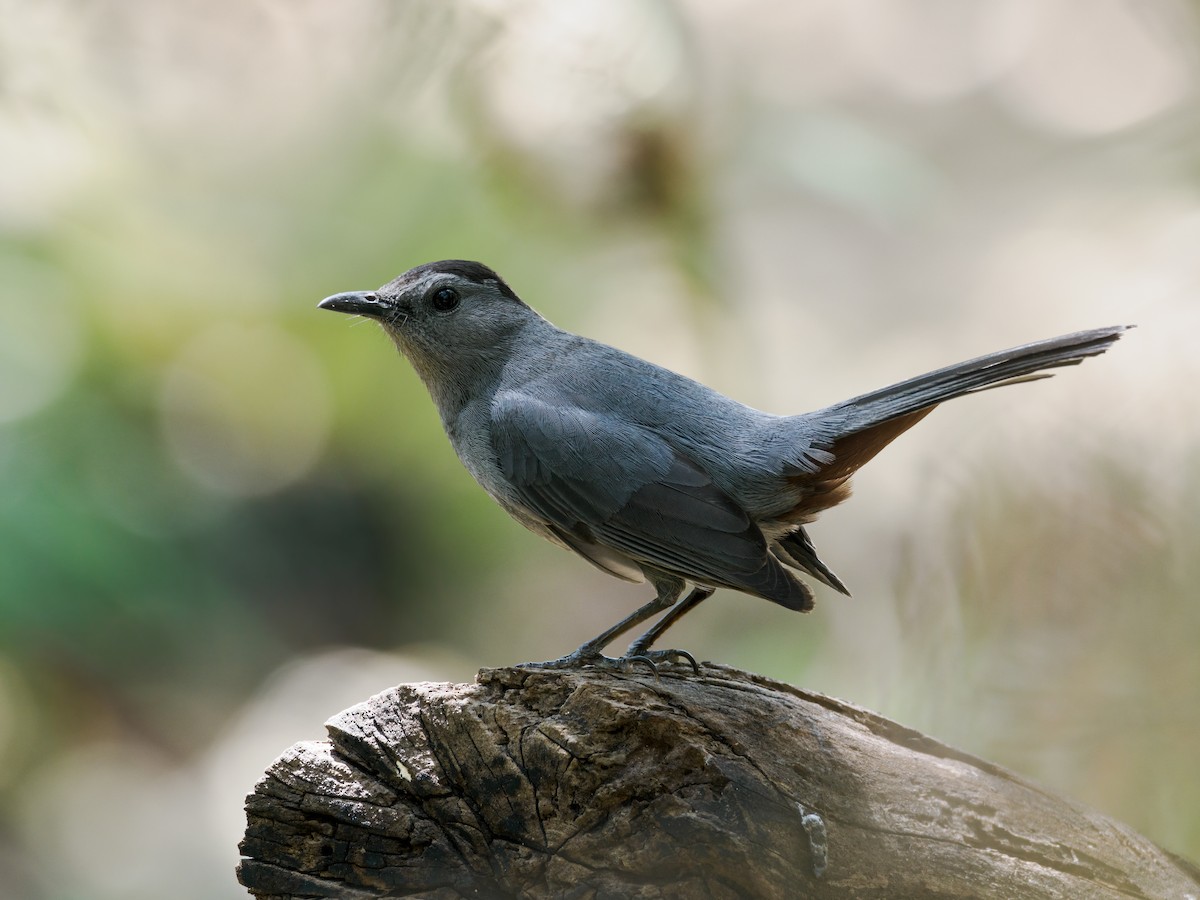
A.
pixel 359 303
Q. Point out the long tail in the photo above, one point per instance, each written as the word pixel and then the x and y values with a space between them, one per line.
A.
pixel 993 370
pixel 856 429
pixel 832 443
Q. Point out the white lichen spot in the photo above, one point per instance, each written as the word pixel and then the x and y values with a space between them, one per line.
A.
pixel 818 840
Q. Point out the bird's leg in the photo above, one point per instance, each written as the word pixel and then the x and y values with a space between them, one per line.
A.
pixel 640 649
pixel 668 589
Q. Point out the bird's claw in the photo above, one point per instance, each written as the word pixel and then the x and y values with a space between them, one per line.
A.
pixel 628 661
pixel 577 659
pixel 654 657
pixel 586 657
pixel 590 657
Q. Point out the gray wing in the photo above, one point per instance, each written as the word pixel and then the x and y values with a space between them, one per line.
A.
pixel 594 479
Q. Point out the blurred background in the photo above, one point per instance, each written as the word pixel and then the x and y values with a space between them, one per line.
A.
pixel 226 515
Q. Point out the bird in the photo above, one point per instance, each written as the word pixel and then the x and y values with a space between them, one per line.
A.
pixel 647 474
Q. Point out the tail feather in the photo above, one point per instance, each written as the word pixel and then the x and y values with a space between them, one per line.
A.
pixel 864 425
pixel 797 549
pixel 992 370
pixel 832 443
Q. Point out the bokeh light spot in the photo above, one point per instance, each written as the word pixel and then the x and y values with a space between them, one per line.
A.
pixel 1087 68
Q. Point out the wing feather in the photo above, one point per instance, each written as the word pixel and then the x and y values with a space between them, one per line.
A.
pixel 598 480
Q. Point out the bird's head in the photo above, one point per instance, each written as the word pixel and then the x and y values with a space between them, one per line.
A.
pixel 453 319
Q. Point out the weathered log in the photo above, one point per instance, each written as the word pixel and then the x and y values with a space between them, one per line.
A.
pixel 543 783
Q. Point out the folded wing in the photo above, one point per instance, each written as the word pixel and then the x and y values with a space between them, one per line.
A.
pixel 602 484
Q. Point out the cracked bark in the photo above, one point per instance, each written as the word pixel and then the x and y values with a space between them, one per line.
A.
pixel 534 783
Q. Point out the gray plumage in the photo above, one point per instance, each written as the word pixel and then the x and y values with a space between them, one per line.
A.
pixel 643 472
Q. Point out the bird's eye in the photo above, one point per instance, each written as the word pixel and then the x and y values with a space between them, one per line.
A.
pixel 445 299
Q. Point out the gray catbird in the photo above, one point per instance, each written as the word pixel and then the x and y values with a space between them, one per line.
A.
pixel 643 472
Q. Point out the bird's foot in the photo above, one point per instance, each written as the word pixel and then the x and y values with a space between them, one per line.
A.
pixel 655 658
pixel 588 657
pixel 575 660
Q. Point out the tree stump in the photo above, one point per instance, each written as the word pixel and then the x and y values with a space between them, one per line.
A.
pixel 545 783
